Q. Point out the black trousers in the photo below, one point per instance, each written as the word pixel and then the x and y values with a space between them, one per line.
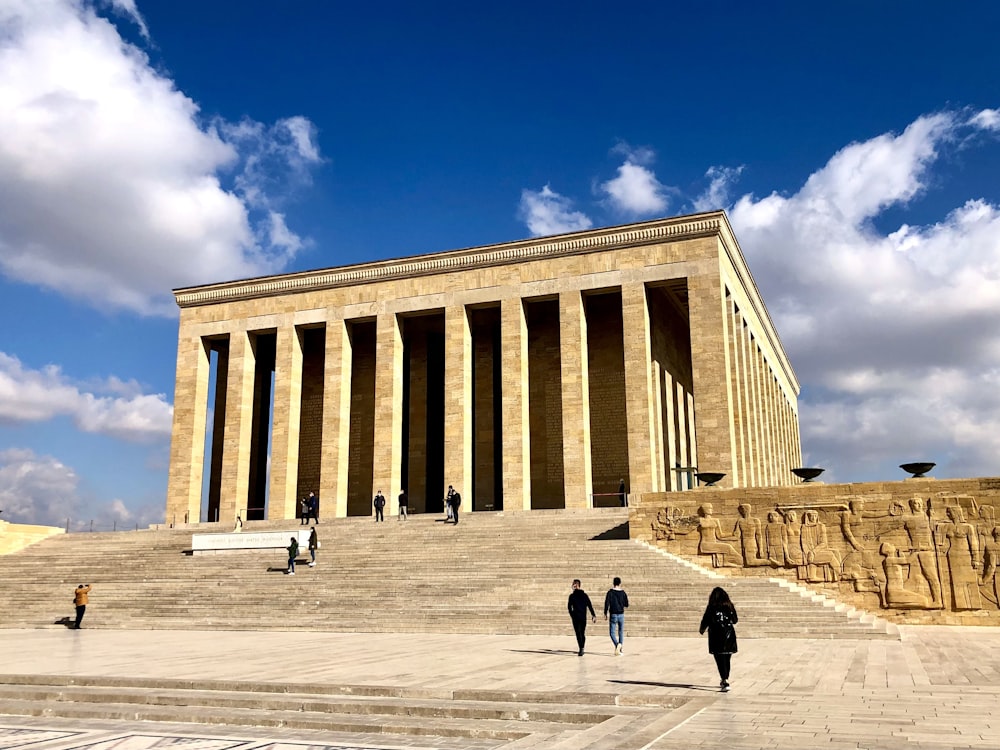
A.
pixel 80 609
pixel 378 514
pixel 722 662
pixel 580 628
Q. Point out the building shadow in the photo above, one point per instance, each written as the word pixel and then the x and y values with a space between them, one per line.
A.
pixel 616 532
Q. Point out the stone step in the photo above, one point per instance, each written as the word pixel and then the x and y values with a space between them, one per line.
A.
pixel 500 715
pixel 503 573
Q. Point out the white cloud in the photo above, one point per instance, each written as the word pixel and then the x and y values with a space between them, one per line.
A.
pixel 635 190
pixel 546 212
pixel 112 188
pixel 36 489
pixel 895 334
pixel 716 195
pixel 987 119
pixel 128 8
pixel 28 395
pixel 43 490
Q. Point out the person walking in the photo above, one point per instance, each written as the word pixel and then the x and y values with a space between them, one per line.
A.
pixel 80 599
pixel 314 506
pixel 454 502
pixel 719 619
pixel 293 552
pixel 578 606
pixel 615 604
pixel 404 505
pixel 379 503
pixel 313 546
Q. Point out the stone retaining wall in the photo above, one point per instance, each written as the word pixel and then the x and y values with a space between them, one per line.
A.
pixel 915 551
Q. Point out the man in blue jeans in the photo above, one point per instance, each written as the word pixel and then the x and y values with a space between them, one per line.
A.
pixel 615 604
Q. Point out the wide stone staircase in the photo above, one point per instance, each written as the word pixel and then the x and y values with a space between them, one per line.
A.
pixel 504 573
pixel 493 573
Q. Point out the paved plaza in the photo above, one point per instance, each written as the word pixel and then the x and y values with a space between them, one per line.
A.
pixel 936 687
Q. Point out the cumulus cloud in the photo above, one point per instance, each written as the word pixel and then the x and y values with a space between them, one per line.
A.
pixel 113 188
pixel 636 191
pixel 720 181
pixel 28 395
pixel 895 333
pixel 37 489
pixel 546 212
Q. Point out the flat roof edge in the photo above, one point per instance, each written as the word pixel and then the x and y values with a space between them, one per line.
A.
pixel 587 241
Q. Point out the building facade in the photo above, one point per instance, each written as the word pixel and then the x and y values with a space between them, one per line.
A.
pixel 530 374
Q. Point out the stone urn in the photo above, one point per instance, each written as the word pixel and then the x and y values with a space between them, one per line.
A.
pixel 917 469
pixel 807 474
pixel 709 477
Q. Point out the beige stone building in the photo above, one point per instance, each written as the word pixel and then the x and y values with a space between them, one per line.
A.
pixel 529 374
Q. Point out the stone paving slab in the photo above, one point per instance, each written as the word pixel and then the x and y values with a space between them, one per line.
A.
pixel 936 687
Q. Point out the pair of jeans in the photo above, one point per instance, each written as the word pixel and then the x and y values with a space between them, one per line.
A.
pixel 291 564
pixel 379 515
pixel 80 609
pixel 616 626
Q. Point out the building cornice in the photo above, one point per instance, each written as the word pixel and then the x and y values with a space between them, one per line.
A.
pixel 590 241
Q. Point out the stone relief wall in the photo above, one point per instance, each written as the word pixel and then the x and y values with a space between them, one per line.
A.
pixel 919 550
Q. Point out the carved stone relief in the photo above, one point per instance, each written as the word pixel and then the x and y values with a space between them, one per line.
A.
pixel 924 553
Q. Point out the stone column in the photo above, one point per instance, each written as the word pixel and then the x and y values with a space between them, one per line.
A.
pixel 239 426
pixel 736 385
pixel 757 405
pixel 670 420
pixel 639 401
pixel 338 363
pixel 747 404
pixel 577 475
pixel 458 403
pixel 661 480
pixel 187 444
pixel 285 423
pixel 684 418
pixel 514 407
pixel 710 370
pixel 388 454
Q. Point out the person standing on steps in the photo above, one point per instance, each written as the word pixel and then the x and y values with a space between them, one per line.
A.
pixel 453 502
pixel 304 508
pixel 447 503
pixel 313 546
pixel 615 604
pixel 622 497
pixel 379 503
pixel 719 619
pixel 80 599
pixel 314 506
pixel 404 505
pixel 578 606
pixel 293 552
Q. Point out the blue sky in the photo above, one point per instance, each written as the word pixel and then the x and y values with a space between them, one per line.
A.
pixel 150 145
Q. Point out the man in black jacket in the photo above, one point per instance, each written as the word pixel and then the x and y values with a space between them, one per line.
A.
pixel 615 604
pixel 578 605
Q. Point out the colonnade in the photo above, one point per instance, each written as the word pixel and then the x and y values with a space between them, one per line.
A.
pixel 523 386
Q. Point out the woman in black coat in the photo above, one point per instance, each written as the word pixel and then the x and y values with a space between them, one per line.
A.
pixel 719 619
